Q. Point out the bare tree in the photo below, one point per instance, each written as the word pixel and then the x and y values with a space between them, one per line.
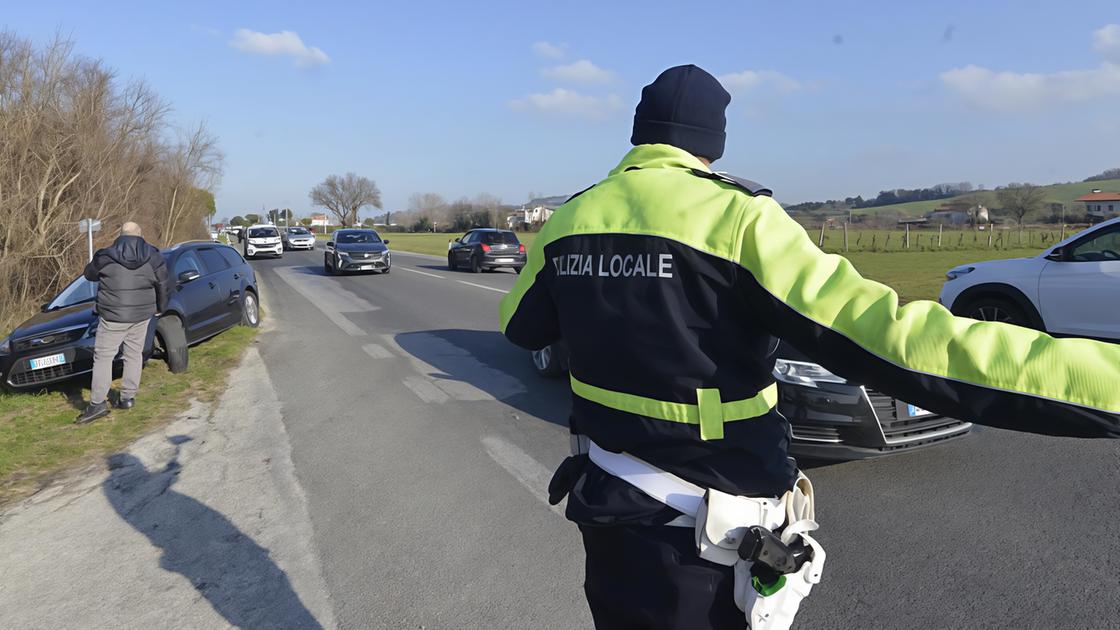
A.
pixel 428 206
pixel 1020 200
pixel 75 143
pixel 191 165
pixel 343 196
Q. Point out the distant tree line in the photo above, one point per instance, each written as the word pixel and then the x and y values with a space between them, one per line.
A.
pixel 1112 173
pixel 886 198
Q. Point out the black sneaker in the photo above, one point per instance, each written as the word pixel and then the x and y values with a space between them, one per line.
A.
pixel 126 403
pixel 93 412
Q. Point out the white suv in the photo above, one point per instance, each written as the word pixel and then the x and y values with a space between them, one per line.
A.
pixel 262 239
pixel 1072 289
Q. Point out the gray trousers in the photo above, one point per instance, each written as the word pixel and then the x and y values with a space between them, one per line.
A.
pixel 110 337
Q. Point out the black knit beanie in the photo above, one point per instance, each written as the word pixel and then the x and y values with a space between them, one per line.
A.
pixel 683 107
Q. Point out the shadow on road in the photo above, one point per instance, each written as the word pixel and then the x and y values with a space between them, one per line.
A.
pixel 487 361
pixel 225 566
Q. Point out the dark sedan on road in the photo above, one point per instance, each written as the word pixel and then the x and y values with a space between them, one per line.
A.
pixel 831 419
pixel 213 289
pixel 356 250
pixel 486 249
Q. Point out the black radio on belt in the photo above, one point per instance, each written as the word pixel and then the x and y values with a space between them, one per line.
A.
pixel 763 546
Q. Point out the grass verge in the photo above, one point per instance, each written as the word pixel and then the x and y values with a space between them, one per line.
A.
pixel 38 437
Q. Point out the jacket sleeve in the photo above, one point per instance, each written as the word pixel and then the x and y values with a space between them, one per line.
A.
pixel 985 372
pixel 162 284
pixel 528 313
pixel 92 271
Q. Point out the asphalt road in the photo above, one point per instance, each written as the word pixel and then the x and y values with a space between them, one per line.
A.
pixel 425 441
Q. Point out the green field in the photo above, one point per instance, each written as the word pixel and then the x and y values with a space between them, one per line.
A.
pixel 1056 193
pixel 38 436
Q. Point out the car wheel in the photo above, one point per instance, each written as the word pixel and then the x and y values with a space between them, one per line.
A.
pixel 250 310
pixel 450 263
pixel 476 264
pixel 387 269
pixel 171 340
pixel 546 363
pixel 997 310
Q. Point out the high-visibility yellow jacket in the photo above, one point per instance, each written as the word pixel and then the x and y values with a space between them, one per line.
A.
pixel 669 284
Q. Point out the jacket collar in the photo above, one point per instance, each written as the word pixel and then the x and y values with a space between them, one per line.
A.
pixel 646 156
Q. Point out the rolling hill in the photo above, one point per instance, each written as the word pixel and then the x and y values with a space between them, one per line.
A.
pixel 1055 193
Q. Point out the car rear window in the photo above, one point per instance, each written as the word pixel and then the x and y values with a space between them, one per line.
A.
pixel 262 232
pixel 213 260
pixel 500 238
pixel 232 257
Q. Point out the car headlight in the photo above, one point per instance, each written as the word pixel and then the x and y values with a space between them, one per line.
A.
pixel 802 373
pixel 953 274
pixel 6 345
pixel 343 255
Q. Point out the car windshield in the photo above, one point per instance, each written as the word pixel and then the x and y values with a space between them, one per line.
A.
pixel 343 238
pixel 262 232
pixel 298 231
pixel 79 291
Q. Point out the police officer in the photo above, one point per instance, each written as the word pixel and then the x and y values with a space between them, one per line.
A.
pixel 669 283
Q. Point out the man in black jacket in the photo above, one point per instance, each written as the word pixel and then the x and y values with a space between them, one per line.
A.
pixel 133 288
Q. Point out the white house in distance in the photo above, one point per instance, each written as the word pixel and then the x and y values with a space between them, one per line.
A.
pixel 527 216
pixel 320 220
pixel 1100 204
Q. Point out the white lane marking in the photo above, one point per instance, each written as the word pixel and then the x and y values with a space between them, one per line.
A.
pixel 528 471
pixel 330 298
pixel 376 351
pixel 482 286
pixel 423 273
pixel 425 390
pixel 455 370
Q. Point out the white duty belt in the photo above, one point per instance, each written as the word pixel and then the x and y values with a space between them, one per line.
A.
pixel 721 520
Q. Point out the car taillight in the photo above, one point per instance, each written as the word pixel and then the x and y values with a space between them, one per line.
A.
pixel 521 248
pixel 485 247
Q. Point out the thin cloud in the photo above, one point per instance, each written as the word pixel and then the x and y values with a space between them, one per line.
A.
pixel 1025 91
pixel 751 79
pixel 1106 41
pixel 284 43
pixel 582 71
pixel 570 103
pixel 1022 91
pixel 549 50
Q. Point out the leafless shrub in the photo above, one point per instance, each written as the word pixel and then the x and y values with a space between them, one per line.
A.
pixel 76 143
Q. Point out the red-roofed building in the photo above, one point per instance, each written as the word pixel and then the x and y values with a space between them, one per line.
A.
pixel 1101 204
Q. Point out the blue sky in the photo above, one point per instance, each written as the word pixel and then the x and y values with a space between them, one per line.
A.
pixel 829 98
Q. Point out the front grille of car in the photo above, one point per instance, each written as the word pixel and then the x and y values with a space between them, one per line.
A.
pixel 909 430
pixel 32 377
pixel 814 433
pixel 48 340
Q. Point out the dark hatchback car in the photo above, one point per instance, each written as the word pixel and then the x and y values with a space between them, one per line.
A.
pixel 831 419
pixel 213 289
pixel 486 249
pixel 356 250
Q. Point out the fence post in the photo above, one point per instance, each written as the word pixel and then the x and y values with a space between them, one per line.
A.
pixel 845 237
pixel 907 236
pixel 989 235
pixel 1063 236
pixel 940 230
pixel 820 242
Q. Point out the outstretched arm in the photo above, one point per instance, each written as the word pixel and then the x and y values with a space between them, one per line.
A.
pixel 989 373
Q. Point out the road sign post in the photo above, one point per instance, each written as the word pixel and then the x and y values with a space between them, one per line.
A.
pixel 88 227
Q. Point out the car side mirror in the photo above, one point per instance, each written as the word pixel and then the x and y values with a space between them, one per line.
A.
pixel 45 307
pixel 188 276
pixel 386 241
pixel 330 243
pixel 1058 255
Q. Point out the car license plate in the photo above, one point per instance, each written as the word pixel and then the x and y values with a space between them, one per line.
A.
pixel 916 411
pixel 505 260
pixel 366 267
pixel 46 362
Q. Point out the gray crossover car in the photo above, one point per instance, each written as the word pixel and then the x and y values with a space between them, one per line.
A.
pixel 356 250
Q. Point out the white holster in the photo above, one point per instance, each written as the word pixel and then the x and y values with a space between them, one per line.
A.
pixel 721 521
